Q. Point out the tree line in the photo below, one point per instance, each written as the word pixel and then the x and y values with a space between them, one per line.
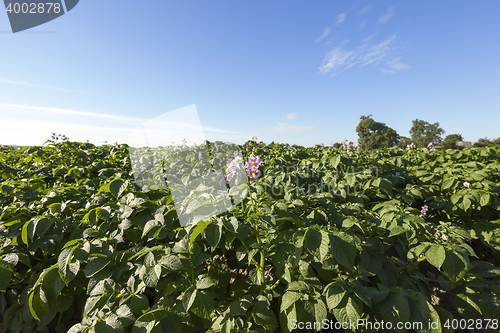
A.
pixel 375 135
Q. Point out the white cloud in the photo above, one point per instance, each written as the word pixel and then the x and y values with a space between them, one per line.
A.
pixel 394 66
pixel 290 116
pixel 378 54
pixel 341 18
pixel 32 125
pixel 387 16
pixel 368 38
pixel 132 120
pixel 285 128
pixel 365 9
pixel 23 83
pixel 326 32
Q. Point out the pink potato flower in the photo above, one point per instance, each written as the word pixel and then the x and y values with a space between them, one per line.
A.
pixel 252 166
pixel 253 173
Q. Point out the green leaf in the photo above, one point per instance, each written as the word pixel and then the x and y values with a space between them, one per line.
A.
pixel 171 262
pixel 64 261
pixel 95 266
pixel 27 230
pixel 447 183
pixel 436 255
pixel 240 307
pixel 386 186
pixel 203 305
pixel 188 297
pixel 423 312
pixel 466 202
pixel 125 315
pixel 334 161
pixel 52 285
pixel 316 243
pixel 444 316
pixel 145 323
pixel 38 303
pixel 485 199
pixel 467 302
pixel 334 295
pixel 349 309
pixel 197 230
pixel 394 308
pixel 43 225
pixel 203 283
pixel 484 269
pixel 213 233
pixel 454 266
pixel 288 299
pixel 152 275
pixel 343 249
pixel 263 315
pixel 5 276
pixel 139 303
pixel 117 187
pixel 455 198
pixel 397 230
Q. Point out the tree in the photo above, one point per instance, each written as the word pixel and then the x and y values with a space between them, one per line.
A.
pixel 403 142
pixel 374 135
pixel 450 142
pixel 483 142
pixel 422 133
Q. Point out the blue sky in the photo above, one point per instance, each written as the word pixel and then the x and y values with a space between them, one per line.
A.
pixel 289 71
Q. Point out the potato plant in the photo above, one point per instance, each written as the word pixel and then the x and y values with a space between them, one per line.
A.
pixel 323 234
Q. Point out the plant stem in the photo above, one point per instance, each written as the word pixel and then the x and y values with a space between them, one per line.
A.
pixel 423 278
pixel 257 234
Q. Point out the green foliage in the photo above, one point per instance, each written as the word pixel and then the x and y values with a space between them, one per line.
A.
pixel 450 141
pixel 323 235
pixel 484 142
pixel 374 135
pixel 422 133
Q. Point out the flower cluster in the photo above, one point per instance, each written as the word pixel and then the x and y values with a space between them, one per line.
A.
pixel 254 138
pixel 430 146
pixel 122 292
pixel 184 141
pixel 467 184
pixel 440 234
pixel 233 166
pixel 424 210
pixel 347 144
pixel 410 146
pixel 252 166
pixel 61 137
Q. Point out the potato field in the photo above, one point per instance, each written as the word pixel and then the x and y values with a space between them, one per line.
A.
pixel 316 239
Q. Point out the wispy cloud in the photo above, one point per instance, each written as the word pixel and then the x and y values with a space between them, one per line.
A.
pixel 380 54
pixel 132 120
pixel 31 125
pixel 23 83
pixel 365 9
pixel 286 128
pixel 341 18
pixel 394 66
pixel 290 116
pixel 326 32
pixel 387 16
